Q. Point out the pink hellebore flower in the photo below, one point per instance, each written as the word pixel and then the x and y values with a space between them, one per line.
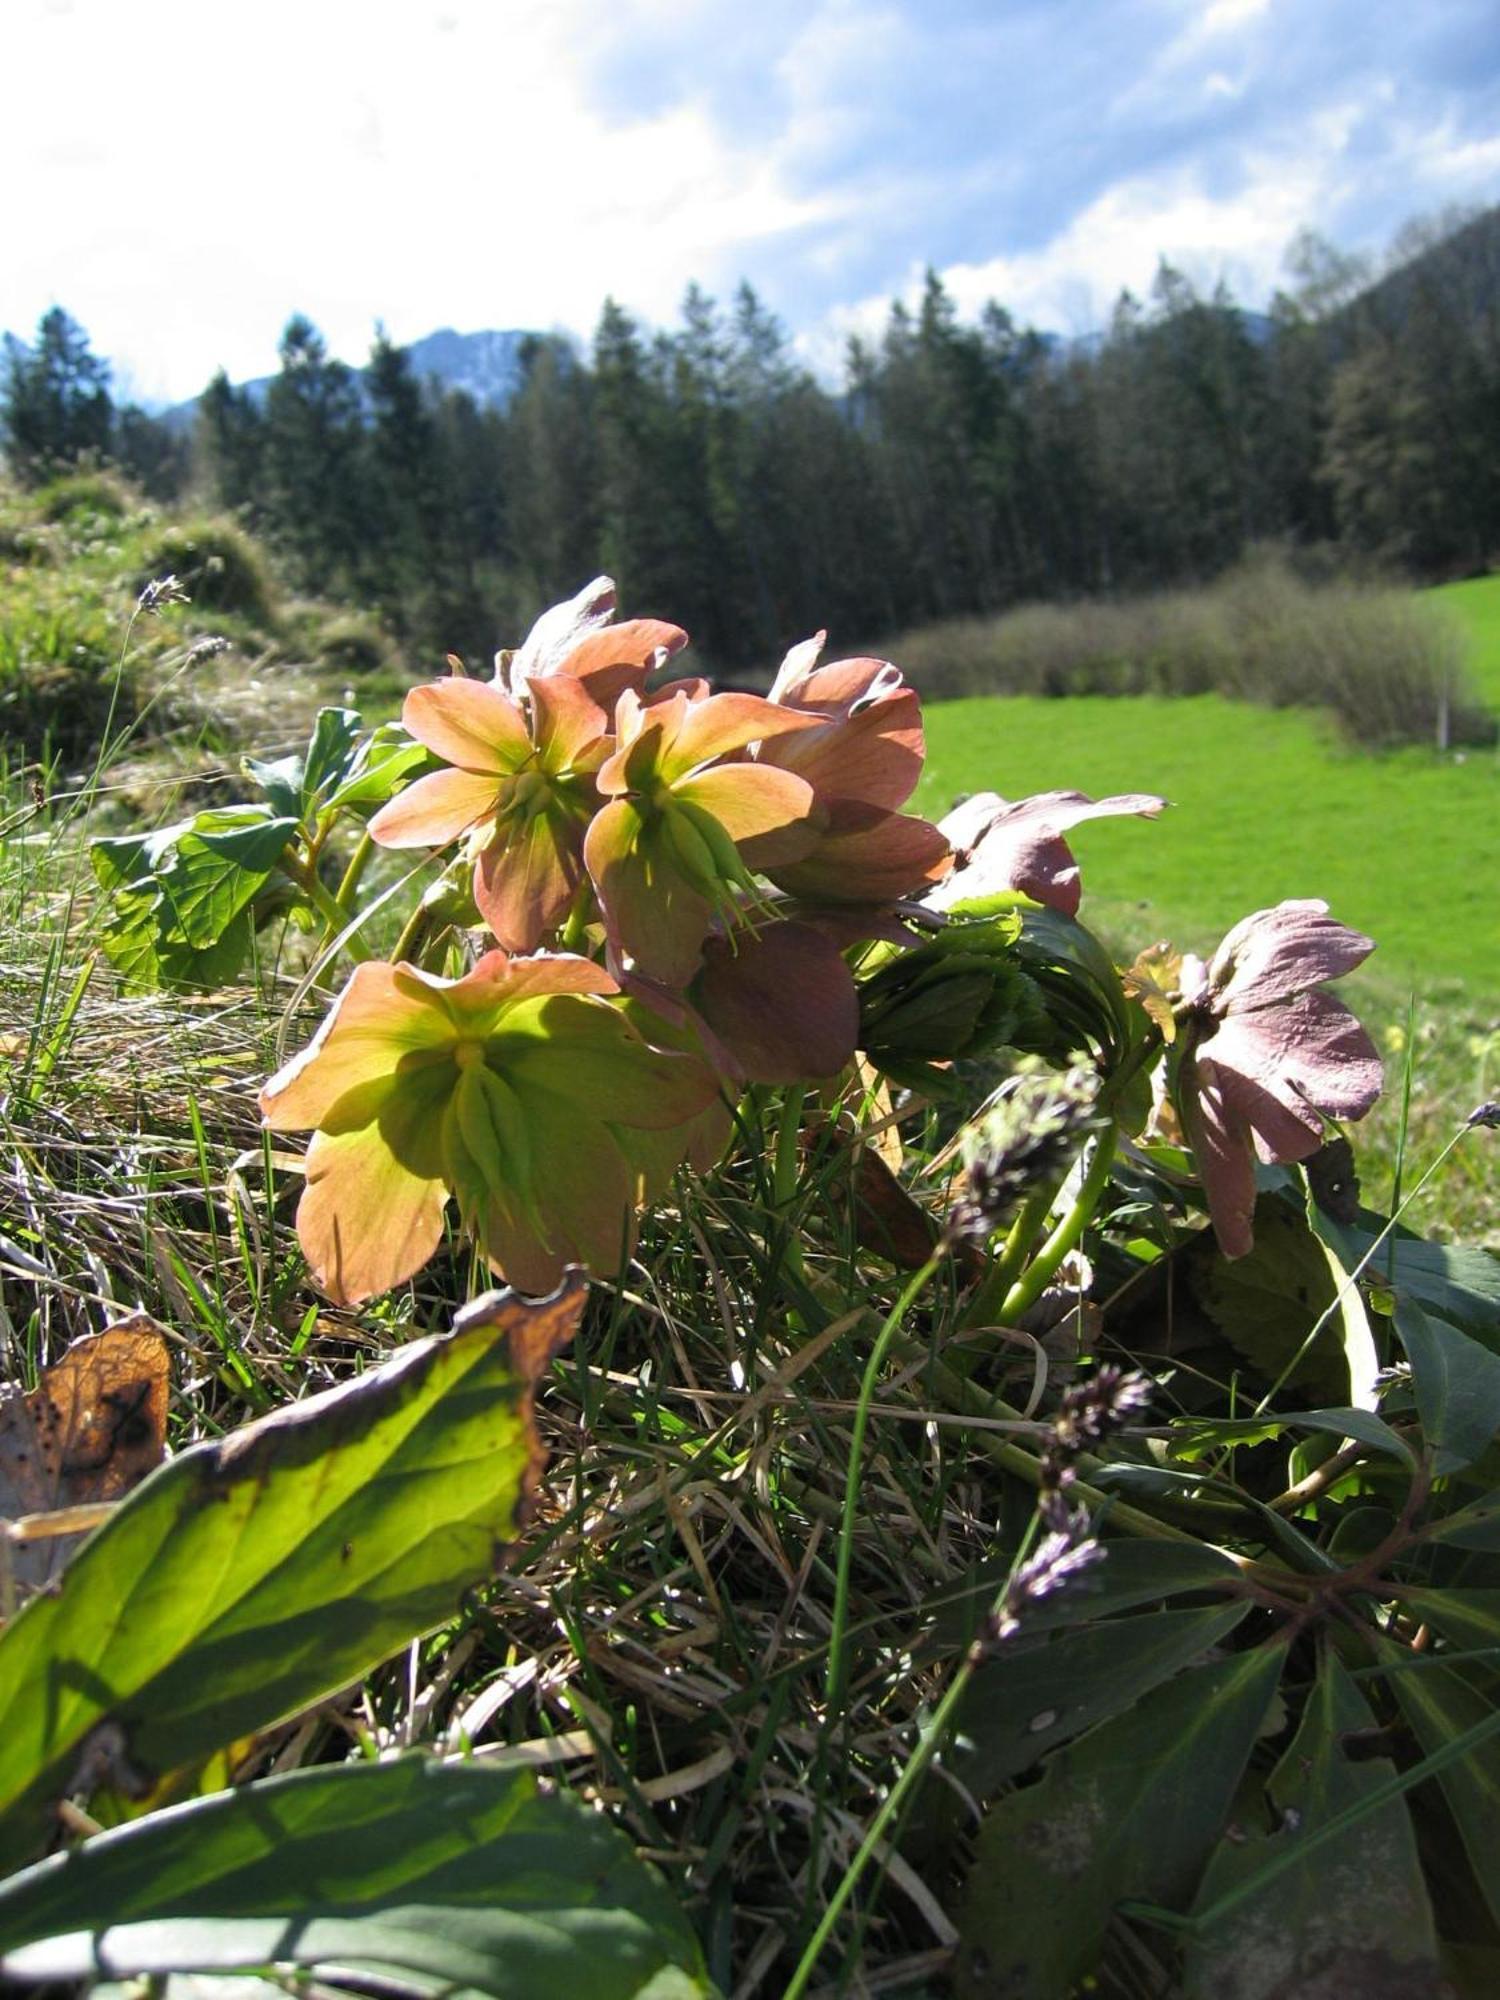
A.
pixel 1018 844
pixel 1269 1055
pixel 863 760
pixel 520 1089
pixel 682 829
pixel 521 792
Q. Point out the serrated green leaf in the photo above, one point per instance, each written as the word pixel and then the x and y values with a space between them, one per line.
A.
pixel 1356 1918
pixel 1458 1284
pixel 1266 1304
pixel 1457 1386
pixel 1029 1698
pixel 257 1573
pixel 1131 1810
pixel 216 871
pixel 429 1878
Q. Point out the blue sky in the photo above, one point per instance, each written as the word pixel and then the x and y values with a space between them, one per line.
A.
pixel 182 176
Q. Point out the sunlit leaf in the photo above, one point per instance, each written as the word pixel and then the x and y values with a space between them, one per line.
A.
pixel 425 1878
pixel 1196 1437
pixel 259 1572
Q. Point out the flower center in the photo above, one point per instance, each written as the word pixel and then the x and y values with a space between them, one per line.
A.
pixel 468 1055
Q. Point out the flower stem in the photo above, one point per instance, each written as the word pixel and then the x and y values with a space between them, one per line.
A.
pixel 985 1305
pixel 1034 1280
pixel 341 927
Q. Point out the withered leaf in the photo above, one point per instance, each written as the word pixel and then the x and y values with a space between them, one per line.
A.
pixel 95 1425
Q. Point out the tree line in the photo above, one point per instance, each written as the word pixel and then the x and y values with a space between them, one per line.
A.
pixel 959 468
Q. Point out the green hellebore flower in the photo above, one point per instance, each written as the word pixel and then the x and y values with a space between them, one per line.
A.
pixel 520 1089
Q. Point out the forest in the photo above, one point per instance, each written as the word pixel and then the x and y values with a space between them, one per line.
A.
pixel 957 469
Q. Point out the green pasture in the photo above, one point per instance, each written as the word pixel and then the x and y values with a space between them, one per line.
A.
pixel 1264 804
pixel 1475 604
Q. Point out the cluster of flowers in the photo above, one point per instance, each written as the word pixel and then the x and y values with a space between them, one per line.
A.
pixel 676 886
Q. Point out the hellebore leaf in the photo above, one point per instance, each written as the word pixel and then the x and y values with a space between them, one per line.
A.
pixel 95 1424
pixel 257 1573
pixel 1360 1923
pixel 1131 1809
pixel 1457 1385
pixel 1440 1704
pixel 1031 1697
pixel 423 1877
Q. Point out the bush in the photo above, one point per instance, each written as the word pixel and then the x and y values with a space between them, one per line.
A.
pixel 353 643
pixel 58 651
pixel 86 497
pixel 218 565
pixel 1388 668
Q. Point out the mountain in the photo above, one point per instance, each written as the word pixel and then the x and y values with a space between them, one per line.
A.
pixel 486 366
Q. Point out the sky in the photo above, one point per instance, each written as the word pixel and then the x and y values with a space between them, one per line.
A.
pixel 182 175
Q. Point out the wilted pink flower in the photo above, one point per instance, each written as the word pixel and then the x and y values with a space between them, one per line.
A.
pixel 1269 1055
pixel 1018 844
pixel 577 638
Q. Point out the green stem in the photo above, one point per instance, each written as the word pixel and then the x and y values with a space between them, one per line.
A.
pixel 337 919
pixel 359 860
pixel 984 1308
pixel 576 926
pixel 927 1748
pixel 413 936
pixel 1029 1287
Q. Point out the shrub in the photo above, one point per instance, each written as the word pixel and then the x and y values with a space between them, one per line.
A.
pixel 217 563
pixel 1388 668
pixel 86 497
pixel 352 642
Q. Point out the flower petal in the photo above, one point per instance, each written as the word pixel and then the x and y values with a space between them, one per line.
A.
pixel 560 631
pixel 468 723
pixel 1019 845
pixel 1222 1156
pixel 1275 953
pixel 370 1216
pixel 782 1001
pixel 870 745
pixel 569 724
pixel 1284 1069
pixel 764 811
pixel 525 879
pixel 588 1054
pixel 650 911
pixel 436 809
pixel 798 663
pixel 621 656
pixel 866 855
pixel 723 724
pixel 378 1019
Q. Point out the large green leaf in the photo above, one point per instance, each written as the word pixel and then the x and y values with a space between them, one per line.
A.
pixel 428 1878
pixel 1131 1810
pixel 296 785
pixel 216 871
pixel 1440 1705
pixel 1457 1386
pixel 1353 1919
pixel 253 1575
pixel 1030 1698
pixel 1466 1618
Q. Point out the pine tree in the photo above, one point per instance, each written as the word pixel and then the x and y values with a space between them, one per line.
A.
pixel 55 407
